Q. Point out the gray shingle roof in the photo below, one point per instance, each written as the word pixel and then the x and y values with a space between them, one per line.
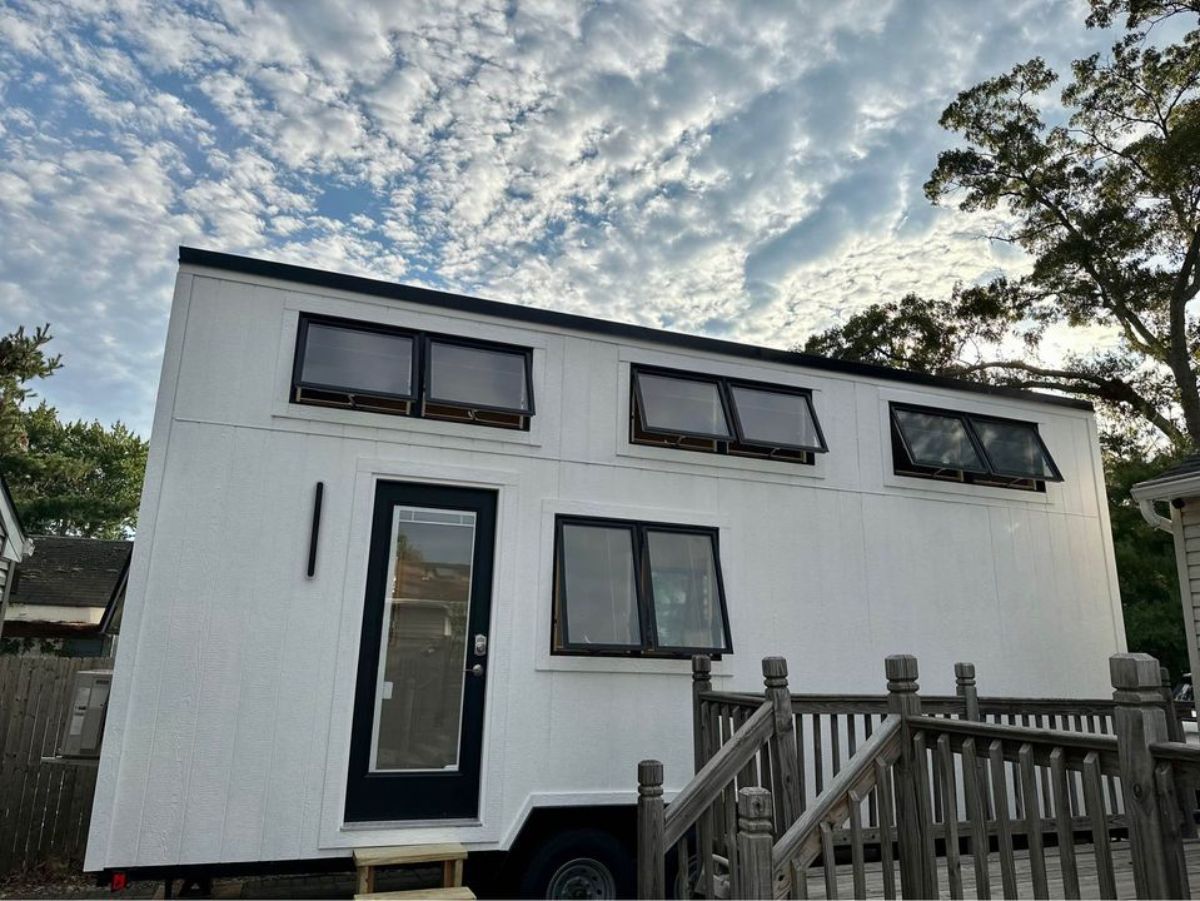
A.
pixel 71 572
pixel 1188 466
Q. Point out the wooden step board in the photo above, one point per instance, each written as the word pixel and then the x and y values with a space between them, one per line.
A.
pixel 449 854
pixel 452 893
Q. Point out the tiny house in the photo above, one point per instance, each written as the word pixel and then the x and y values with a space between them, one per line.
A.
pixel 414 567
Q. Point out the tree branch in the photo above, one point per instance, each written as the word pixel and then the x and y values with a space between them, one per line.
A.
pixel 1112 390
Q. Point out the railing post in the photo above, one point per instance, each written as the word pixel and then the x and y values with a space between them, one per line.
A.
pixel 701 683
pixel 1174 727
pixel 754 876
pixel 651 855
pixel 964 687
pixel 783 743
pixel 1185 790
pixel 1139 721
pixel 912 826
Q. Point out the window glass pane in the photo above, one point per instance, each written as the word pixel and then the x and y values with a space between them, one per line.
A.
pixel 938 441
pixel 775 418
pixel 477 376
pixel 371 362
pixel 680 405
pixel 687 601
pixel 599 589
pixel 1013 448
pixel 423 656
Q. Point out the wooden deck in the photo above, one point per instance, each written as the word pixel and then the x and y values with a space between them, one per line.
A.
pixel 1084 854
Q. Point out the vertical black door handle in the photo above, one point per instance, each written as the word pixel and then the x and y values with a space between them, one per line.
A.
pixel 316 530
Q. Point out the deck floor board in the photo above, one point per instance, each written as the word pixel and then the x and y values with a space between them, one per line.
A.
pixel 1085 860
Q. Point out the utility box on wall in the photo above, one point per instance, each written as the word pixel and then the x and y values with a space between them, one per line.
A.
pixel 84 728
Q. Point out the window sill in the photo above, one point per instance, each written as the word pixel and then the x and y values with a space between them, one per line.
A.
pixel 389 426
pixel 564 663
pixel 747 466
pixel 969 490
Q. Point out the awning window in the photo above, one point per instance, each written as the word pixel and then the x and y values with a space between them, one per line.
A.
pixel 970 447
pixel 630 588
pixel 481 378
pixel 768 418
pixel 682 406
pixel 720 415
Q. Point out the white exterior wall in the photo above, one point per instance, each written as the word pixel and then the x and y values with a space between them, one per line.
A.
pixel 229 727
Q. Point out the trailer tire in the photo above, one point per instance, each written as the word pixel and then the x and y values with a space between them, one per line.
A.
pixel 579 863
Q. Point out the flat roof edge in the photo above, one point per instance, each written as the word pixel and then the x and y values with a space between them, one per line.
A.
pixel 322 278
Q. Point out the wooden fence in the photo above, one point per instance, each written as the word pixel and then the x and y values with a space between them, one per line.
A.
pixel 44 807
pixel 785 782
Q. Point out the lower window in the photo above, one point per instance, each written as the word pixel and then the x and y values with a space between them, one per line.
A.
pixel 627 588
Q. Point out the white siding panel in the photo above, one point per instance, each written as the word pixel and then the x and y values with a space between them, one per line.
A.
pixel 931 589
pixel 229 719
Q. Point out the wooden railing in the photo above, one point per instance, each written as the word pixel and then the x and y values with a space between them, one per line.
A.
pixel 961 774
pixel 740 743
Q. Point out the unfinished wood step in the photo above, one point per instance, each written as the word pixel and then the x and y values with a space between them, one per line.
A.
pixel 454 893
pixel 403 855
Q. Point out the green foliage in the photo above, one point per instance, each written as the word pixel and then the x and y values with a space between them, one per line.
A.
pixel 1107 205
pixel 1145 557
pixel 1137 12
pixel 22 359
pixel 66 478
pixel 76 478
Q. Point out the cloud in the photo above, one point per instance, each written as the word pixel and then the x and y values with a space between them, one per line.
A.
pixel 751 170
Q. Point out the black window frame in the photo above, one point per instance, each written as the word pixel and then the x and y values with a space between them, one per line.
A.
pixel 992 476
pixel 682 377
pixel 352 325
pixel 429 339
pixel 560 646
pixel 730 384
pixel 735 444
pixel 419 400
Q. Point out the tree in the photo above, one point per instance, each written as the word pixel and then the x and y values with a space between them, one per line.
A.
pixel 1145 558
pixel 66 478
pixel 1107 205
pixel 22 359
pixel 76 478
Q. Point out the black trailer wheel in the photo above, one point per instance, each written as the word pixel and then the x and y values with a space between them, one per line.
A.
pixel 579 863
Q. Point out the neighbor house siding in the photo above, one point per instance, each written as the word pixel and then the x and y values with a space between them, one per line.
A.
pixel 1186 527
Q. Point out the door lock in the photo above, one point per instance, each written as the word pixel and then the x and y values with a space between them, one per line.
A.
pixel 480 645
pixel 476 670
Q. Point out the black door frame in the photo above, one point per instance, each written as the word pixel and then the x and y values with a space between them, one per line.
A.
pixel 384 797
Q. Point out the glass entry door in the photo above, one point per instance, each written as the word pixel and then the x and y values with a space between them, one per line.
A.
pixel 418 710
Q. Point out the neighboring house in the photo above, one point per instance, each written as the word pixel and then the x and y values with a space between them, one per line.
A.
pixel 67 598
pixel 1179 486
pixel 14 546
pixel 414 567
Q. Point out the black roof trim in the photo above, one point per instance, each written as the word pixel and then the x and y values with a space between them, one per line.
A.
pixel 321 278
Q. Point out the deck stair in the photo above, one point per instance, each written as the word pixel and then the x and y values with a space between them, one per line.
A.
pixel 451 855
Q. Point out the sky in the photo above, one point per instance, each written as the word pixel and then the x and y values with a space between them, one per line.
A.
pixel 744 170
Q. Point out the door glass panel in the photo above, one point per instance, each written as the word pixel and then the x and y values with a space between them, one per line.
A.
pixel 423 655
